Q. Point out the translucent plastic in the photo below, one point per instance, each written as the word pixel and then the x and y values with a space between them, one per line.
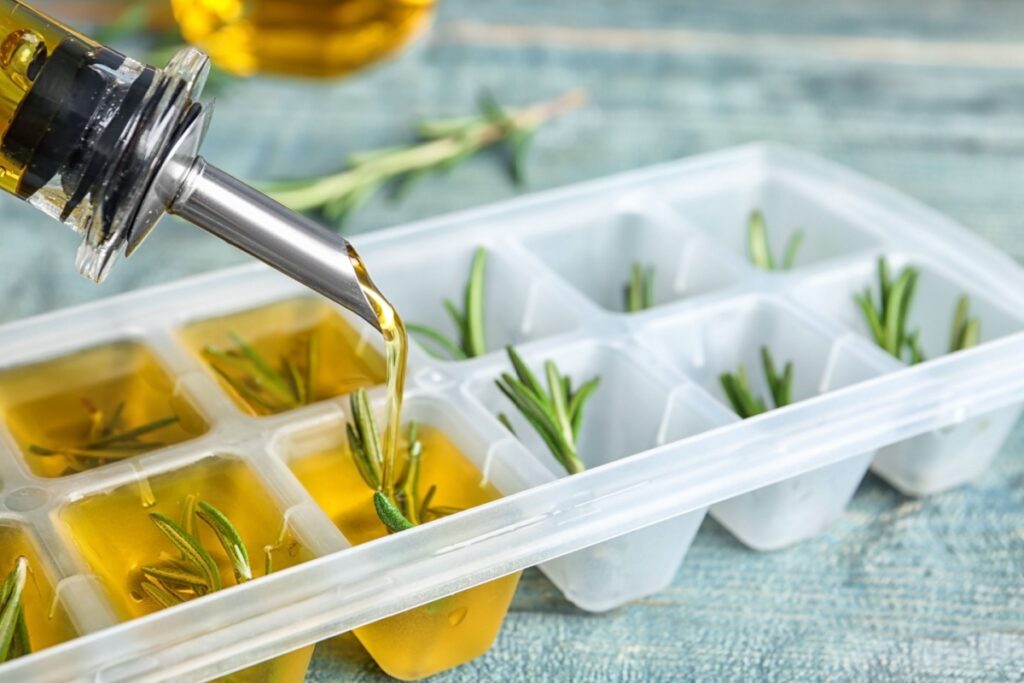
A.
pixel 661 444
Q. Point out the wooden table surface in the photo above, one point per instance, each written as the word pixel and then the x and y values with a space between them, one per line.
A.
pixel 928 97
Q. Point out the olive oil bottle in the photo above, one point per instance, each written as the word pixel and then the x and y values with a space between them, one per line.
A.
pixel 300 37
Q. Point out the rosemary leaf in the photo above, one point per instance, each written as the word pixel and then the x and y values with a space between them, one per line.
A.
pixel 432 335
pixel 639 291
pixel 744 401
pixel 390 514
pixel 475 343
pixel 757 242
pixel 11 609
pixel 230 540
pixel 469 323
pixel 133 434
pixel 192 551
pixel 273 380
pixel 177 576
pixel 425 505
pixel 759 249
pixel 160 595
pixel 966 330
pixel 549 412
pixel 366 468
pixel 368 436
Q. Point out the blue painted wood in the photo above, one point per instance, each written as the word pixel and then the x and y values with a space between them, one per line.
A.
pixel 928 97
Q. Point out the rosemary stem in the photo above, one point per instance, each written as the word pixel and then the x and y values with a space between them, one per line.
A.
pixel 425 155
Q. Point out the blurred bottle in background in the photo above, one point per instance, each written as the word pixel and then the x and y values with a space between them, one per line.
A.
pixel 321 38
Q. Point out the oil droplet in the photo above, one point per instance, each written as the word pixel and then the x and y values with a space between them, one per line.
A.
pixel 456 617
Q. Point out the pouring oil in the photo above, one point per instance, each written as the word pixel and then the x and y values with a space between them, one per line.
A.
pixel 300 37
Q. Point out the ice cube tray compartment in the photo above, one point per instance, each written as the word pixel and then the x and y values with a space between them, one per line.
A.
pixel 595 252
pixel 722 338
pixel 956 454
pixel 620 530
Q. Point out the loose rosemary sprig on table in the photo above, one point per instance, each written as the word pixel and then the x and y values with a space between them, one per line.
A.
pixel 195 572
pixel 744 400
pixel 639 291
pixel 887 316
pixel 108 439
pixel 14 637
pixel 398 504
pixel 760 250
pixel 259 382
pixel 447 143
pixel 469 322
pixel 555 413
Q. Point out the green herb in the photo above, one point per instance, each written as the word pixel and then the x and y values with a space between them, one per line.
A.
pixel 398 504
pixel 108 440
pixel 744 400
pixel 639 291
pixel 14 638
pixel 261 384
pixel 887 318
pixel 555 413
pixel 469 322
pixel 966 330
pixel 759 249
pixel 195 572
pixel 447 142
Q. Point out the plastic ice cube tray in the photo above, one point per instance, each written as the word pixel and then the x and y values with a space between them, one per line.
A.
pixel 661 442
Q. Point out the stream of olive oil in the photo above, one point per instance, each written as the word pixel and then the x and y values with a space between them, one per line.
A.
pixel 396 342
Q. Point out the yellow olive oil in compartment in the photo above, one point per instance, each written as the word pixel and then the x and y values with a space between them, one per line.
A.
pixel 115 536
pixel 45 629
pixel 301 336
pixel 300 37
pixel 445 633
pixel 63 407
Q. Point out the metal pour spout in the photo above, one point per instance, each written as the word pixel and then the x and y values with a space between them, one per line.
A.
pixel 293 244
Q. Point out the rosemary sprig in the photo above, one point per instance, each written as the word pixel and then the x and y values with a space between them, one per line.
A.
pixel 555 413
pixel 759 249
pixel 447 143
pixel 639 291
pixel 261 384
pixel 14 637
pixel 744 400
pixel 966 330
pixel 108 439
pixel 399 504
pixel 195 573
pixel 887 319
pixel 469 322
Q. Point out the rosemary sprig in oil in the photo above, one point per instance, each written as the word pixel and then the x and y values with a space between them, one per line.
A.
pixel 759 249
pixel 887 316
pixel 108 440
pixel 194 573
pixel 14 637
pixel 555 413
pixel 748 403
pixel 399 504
pixel 447 142
pixel 469 322
pixel 639 291
pixel 266 387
